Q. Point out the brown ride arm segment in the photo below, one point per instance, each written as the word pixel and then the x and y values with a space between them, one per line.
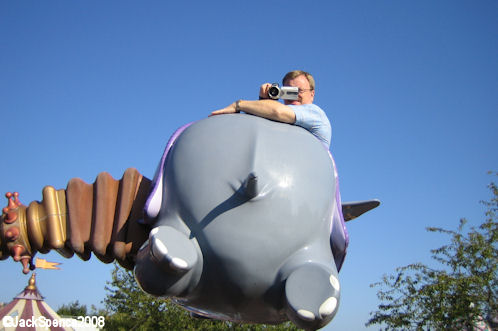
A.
pixel 102 218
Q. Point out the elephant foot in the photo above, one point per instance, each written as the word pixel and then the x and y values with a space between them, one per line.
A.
pixel 168 263
pixel 172 250
pixel 312 292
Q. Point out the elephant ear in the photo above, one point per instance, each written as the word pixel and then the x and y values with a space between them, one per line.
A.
pixel 153 203
pixel 352 210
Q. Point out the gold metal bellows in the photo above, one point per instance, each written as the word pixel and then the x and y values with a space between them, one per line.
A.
pixel 102 218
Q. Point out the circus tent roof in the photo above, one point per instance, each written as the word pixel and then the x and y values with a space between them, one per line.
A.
pixel 26 308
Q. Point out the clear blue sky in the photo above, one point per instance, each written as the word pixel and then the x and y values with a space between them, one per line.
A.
pixel 410 88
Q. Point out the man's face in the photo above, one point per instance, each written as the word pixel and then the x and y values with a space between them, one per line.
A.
pixel 306 95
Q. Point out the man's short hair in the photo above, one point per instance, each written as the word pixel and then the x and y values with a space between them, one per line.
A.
pixel 296 73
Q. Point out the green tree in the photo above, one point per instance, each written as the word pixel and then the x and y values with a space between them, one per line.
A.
pixel 459 295
pixel 129 308
pixel 72 309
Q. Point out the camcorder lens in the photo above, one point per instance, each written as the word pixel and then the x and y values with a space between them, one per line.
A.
pixel 273 92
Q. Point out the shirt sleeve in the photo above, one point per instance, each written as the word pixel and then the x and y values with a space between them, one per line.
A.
pixel 313 118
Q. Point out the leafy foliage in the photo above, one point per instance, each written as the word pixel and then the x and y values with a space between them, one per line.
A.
pixel 129 308
pixel 457 296
pixel 72 309
pixel 75 309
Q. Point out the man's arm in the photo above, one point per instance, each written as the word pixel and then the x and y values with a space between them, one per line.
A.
pixel 266 108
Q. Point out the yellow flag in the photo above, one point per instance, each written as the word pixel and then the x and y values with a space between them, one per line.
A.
pixel 44 264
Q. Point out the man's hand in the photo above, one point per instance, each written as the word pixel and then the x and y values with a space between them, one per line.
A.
pixel 263 91
pixel 267 108
pixel 230 109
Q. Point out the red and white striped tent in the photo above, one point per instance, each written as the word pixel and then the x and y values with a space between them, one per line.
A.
pixel 28 311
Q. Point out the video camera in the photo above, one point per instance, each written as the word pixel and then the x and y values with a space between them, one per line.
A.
pixel 276 92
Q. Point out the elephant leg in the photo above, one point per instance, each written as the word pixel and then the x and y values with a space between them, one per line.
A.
pixel 172 250
pixel 168 263
pixel 312 293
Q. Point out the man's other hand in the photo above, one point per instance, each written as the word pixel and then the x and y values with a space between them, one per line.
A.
pixel 263 91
